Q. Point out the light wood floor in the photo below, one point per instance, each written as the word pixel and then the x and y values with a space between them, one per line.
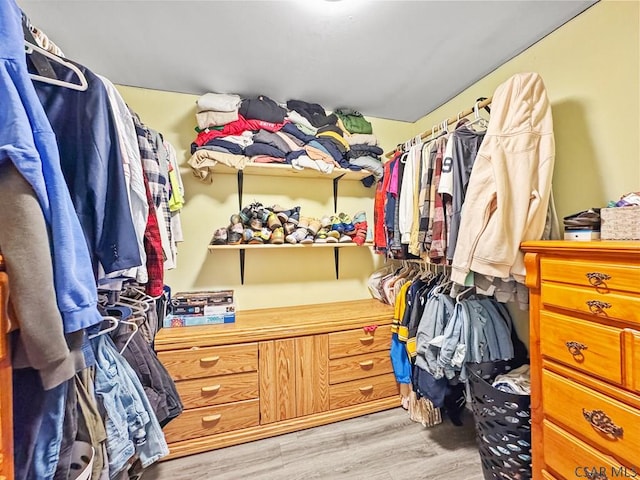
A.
pixel 381 446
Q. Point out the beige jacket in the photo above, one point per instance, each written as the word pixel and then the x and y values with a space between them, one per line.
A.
pixel 508 193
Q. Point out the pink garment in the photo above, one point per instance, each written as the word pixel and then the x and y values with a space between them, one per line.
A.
pixel 267 159
pixel 393 183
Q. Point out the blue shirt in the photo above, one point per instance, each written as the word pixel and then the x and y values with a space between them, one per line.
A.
pixel 27 140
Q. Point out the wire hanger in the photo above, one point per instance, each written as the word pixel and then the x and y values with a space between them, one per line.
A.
pixel 82 86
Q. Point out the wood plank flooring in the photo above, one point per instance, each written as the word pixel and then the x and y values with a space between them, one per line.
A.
pixel 380 446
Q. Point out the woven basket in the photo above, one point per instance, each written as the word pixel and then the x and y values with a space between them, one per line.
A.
pixel 621 223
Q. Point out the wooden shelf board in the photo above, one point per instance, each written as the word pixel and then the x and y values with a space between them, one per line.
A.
pixel 246 246
pixel 279 170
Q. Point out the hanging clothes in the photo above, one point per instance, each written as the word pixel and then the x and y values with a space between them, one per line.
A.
pixel 509 188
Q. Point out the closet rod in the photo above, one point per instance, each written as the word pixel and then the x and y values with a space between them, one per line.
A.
pixel 450 121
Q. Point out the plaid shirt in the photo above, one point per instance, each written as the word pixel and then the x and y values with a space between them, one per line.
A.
pixel 153 249
pixel 438 228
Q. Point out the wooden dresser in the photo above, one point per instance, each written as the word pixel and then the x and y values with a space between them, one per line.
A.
pixel 585 358
pixel 6 411
pixel 277 370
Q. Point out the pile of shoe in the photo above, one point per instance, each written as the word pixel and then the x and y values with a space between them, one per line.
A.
pixel 258 224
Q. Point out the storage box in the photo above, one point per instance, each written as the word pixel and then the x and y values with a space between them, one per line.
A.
pixel 192 320
pixel 581 235
pixel 620 223
pixel 202 303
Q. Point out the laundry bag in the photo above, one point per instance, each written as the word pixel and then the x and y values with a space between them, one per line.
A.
pixel 503 423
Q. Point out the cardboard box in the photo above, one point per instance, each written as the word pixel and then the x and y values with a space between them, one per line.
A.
pixel 193 320
pixel 581 235
pixel 202 303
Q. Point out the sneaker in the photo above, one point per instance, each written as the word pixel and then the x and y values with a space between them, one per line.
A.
pixel 219 237
pixel 297 236
pixel 347 223
pixel 345 239
pixel 277 236
pixel 308 239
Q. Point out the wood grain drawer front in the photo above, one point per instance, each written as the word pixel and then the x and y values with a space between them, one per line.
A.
pixel 632 359
pixel 584 345
pixel 574 459
pixel 201 422
pixel 359 366
pixel 4 320
pixel 547 476
pixel 203 392
pixel 601 276
pixel 209 361
pixel 607 424
pixel 364 390
pixel 358 341
pixel 613 305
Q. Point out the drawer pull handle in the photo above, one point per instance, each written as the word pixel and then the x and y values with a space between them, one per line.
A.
pixel 213 359
pixel 211 418
pixel 211 389
pixel 596 306
pixel 367 389
pixel 597 279
pixel 366 364
pixel 368 339
pixel 575 348
pixel 601 422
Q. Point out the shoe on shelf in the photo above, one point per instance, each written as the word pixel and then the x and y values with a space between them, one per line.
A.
pixel 347 223
pixel 336 224
pixel 292 215
pixel 308 239
pixel 273 221
pixel 345 239
pixel 304 222
pixel 325 221
pixel 277 236
pixel 247 235
pixel 335 234
pixel 297 236
pixel 289 228
pixel 321 236
pixel 256 224
pixel 234 234
pixel 261 236
pixel 219 237
pixel 359 234
pixel 314 226
pixel 359 217
pixel 235 219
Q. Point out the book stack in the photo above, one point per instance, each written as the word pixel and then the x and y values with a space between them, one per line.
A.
pixel 201 308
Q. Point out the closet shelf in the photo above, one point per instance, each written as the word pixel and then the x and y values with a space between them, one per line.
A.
pixel 241 248
pixel 279 170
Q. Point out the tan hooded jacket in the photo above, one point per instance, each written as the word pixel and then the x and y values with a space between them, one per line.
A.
pixel 508 193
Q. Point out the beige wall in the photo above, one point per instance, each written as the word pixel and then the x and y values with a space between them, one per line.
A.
pixel 272 278
pixel 591 70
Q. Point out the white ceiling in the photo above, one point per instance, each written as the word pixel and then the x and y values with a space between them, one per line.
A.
pixel 389 59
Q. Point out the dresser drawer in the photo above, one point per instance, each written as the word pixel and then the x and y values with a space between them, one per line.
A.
pixel 574 459
pixel 603 276
pixel 359 366
pixel 584 345
pixel 364 390
pixel 632 359
pixel 614 305
pixel 354 342
pixel 201 422
pixel 604 422
pixel 201 362
pixel 547 476
pixel 202 392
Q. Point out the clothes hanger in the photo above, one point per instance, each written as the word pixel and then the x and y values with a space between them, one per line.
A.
pixel 114 324
pixel 477 119
pixel 464 292
pixel 82 86
pixel 135 327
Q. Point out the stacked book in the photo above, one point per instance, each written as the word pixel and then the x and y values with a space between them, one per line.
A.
pixel 201 308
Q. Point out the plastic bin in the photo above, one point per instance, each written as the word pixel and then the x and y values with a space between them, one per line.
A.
pixel 503 424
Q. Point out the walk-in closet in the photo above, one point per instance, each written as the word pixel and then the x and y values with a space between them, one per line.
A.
pixel 325 239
